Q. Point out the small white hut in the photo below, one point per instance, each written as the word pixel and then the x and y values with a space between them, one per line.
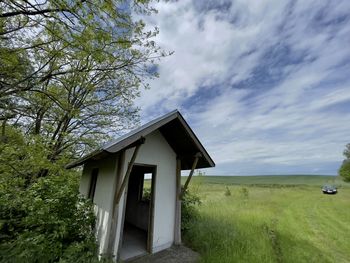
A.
pixel 132 221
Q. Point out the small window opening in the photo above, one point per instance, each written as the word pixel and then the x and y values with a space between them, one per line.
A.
pixel 145 191
pixel 93 181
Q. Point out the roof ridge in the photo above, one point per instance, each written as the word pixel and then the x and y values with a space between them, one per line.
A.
pixel 125 141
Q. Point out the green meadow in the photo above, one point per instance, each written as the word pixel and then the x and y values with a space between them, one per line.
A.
pixel 270 219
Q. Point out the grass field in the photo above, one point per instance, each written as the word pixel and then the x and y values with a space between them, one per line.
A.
pixel 271 219
pixel 316 180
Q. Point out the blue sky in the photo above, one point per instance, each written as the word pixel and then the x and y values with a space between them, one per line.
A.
pixel 264 84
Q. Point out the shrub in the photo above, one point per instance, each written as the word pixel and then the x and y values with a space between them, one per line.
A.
pixel 46 222
pixel 189 212
pixel 227 191
pixel 146 194
pixel 244 192
pixel 344 170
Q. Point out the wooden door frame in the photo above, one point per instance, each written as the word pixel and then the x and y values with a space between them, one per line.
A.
pixel 151 208
pixel 149 245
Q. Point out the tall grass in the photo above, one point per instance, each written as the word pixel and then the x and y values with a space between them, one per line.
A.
pixel 271 224
pixel 271 180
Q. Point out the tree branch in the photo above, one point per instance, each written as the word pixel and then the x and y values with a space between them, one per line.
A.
pixel 33 13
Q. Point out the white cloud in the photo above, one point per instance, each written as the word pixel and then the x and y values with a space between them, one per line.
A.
pixel 246 121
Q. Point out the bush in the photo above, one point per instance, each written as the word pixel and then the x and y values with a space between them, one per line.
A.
pixel 46 222
pixel 344 170
pixel 146 195
pixel 42 216
pixel 244 192
pixel 227 191
pixel 189 212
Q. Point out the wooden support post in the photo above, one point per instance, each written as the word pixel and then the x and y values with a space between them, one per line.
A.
pixel 118 193
pixel 114 219
pixel 194 165
pixel 177 228
pixel 127 175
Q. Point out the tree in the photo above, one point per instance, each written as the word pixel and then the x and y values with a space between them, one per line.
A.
pixel 346 152
pixel 41 219
pixel 71 69
pixel 69 72
pixel 344 170
pixel 99 31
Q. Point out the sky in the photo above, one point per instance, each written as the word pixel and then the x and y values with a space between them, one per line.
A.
pixel 265 85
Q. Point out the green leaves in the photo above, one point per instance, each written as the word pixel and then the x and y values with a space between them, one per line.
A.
pixel 347 151
pixel 46 220
pixel 344 170
pixel 82 64
pixel 189 212
pixel 69 73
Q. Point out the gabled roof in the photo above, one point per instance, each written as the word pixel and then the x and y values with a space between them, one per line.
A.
pixel 175 130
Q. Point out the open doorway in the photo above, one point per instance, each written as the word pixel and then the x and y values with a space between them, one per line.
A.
pixel 138 220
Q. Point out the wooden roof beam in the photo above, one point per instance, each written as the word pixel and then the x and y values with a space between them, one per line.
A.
pixel 194 165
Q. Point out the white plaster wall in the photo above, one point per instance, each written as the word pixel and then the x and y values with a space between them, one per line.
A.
pixel 156 151
pixel 104 194
pixel 85 180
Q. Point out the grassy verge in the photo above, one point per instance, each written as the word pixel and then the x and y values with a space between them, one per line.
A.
pixel 271 180
pixel 270 224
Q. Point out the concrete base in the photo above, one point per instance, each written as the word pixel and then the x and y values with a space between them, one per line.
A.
pixel 134 243
pixel 175 254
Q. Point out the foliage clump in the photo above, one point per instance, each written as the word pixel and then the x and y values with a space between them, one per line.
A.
pixel 146 195
pixel 70 70
pixel 227 191
pixel 189 209
pixel 244 192
pixel 69 74
pixel 46 222
pixel 42 219
pixel 344 170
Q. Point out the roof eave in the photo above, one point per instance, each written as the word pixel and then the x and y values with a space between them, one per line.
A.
pixel 83 159
pixel 197 141
pixel 128 141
